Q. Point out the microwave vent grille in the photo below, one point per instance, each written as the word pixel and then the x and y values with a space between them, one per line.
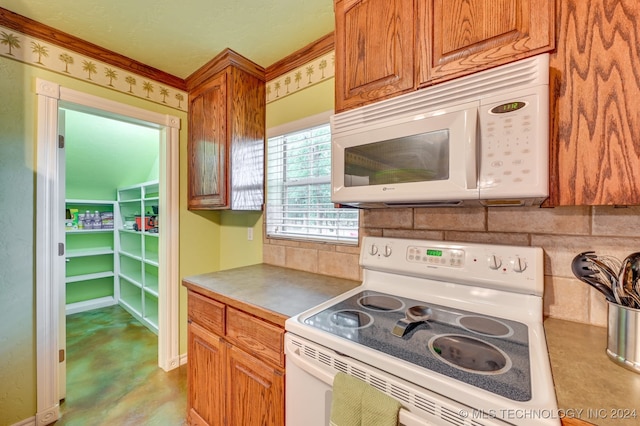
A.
pixel 529 72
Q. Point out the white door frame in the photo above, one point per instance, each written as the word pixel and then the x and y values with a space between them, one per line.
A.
pixel 48 262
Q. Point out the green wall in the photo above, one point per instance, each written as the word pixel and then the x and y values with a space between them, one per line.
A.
pixel 18 121
pixel 17 298
pixel 305 103
pixel 103 154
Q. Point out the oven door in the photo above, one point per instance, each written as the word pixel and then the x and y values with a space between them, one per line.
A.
pixel 309 391
pixel 311 369
pixel 419 157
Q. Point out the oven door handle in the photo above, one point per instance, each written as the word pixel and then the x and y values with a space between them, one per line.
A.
pixel 405 417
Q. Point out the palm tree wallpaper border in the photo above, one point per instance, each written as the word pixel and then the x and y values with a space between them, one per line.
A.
pixel 309 74
pixel 29 50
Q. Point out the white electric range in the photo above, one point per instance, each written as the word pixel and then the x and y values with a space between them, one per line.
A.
pixel 451 330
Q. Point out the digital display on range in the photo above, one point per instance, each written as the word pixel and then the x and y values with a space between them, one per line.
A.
pixel 508 107
pixel 432 252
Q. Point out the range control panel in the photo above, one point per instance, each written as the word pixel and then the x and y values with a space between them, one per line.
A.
pixel 436 256
pixel 512 268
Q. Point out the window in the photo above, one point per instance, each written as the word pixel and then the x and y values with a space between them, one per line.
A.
pixel 299 186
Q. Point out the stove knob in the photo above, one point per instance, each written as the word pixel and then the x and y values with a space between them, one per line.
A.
pixel 387 251
pixel 495 262
pixel 519 265
pixel 373 250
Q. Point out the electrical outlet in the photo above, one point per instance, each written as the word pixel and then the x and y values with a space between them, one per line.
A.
pixel 250 234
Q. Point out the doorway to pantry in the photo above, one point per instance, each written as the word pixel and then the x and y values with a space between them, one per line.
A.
pixel 111 174
pixel 158 210
pixel 110 170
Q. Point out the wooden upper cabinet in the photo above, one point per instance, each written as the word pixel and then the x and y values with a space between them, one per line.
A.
pixel 458 37
pixel 226 135
pixel 374 50
pixel 595 127
pixel 208 144
pixel 388 47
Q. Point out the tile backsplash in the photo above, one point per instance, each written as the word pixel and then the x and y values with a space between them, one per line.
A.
pixel 562 232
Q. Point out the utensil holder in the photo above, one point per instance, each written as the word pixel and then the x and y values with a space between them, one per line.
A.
pixel 623 341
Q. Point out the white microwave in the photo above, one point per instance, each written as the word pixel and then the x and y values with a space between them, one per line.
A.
pixel 477 140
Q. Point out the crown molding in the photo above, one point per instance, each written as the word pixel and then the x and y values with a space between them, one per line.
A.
pixel 301 57
pixel 43 32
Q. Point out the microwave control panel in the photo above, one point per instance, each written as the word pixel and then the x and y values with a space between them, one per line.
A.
pixel 514 144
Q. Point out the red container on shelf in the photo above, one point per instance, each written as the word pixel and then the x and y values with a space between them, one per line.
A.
pixel 149 223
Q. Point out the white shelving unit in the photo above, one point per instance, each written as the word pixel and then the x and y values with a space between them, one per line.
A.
pixel 137 232
pixel 90 277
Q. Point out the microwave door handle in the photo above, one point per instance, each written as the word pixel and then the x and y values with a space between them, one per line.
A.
pixel 405 418
pixel 471 148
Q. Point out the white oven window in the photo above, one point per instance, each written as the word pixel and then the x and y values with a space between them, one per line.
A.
pixel 299 188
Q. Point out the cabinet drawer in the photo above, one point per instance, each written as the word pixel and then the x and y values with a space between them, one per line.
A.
pixel 206 312
pixel 256 336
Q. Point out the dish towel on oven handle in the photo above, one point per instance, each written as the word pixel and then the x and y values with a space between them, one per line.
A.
pixel 356 403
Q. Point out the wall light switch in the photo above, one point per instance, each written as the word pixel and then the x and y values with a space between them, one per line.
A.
pixel 250 234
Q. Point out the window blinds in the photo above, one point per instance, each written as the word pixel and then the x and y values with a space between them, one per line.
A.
pixel 299 189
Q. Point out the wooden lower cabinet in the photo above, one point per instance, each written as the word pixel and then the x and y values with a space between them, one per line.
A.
pixel 204 375
pixel 255 391
pixel 235 378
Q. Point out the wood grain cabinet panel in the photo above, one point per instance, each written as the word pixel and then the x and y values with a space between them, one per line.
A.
pixel 374 50
pixel 471 35
pixel 255 391
pixel 208 313
pixel 235 366
pixel 207 149
pixel 255 336
pixel 205 377
pixel 388 47
pixel 226 135
pixel 595 87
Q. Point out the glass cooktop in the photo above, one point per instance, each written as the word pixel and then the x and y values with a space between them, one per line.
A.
pixel 484 351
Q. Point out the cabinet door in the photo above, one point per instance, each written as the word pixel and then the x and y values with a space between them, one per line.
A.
pixel 595 127
pixel 207 148
pixel 471 35
pixel 255 391
pixel 374 50
pixel 205 377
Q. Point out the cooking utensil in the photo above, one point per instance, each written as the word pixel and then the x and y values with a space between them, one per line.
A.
pixel 582 268
pixel 629 277
pixel 413 316
pixel 605 274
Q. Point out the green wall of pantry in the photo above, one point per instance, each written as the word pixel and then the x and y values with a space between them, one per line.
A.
pixel 104 154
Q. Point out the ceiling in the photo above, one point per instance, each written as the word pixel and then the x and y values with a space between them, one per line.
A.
pixel 178 37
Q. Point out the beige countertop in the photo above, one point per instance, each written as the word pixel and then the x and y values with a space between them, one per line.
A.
pixel 590 386
pixel 270 292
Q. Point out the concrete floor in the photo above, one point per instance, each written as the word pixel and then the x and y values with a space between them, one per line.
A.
pixel 113 376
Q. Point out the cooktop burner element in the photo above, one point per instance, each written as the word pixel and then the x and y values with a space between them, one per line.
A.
pixel 350 318
pixel 485 326
pixel 470 354
pixel 381 303
pixel 497 363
